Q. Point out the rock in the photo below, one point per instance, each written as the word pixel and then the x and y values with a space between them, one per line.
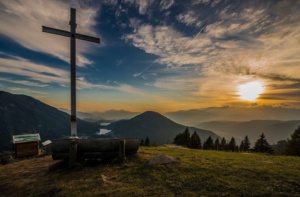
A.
pixel 6 159
pixel 163 159
pixel 104 178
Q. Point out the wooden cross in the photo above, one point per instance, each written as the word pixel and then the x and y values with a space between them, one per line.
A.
pixel 73 35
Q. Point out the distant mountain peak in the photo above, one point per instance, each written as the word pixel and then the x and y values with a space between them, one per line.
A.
pixel 150 113
pixel 157 127
pixel 151 116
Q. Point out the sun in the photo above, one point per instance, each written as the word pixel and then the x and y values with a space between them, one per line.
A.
pixel 251 91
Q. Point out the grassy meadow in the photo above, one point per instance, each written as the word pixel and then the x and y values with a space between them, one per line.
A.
pixel 199 173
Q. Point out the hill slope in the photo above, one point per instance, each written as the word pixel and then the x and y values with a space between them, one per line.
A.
pixel 158 128
pixel 274 130
pixel 200 173
pixel 110 115
pixel 20 114
pixel 195 116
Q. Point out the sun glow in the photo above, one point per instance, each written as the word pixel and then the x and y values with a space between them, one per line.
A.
pixel 251 91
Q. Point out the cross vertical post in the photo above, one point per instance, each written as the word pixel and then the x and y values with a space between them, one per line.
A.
pixel 73 36
pixel 73 73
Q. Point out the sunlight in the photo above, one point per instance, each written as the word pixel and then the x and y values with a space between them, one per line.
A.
pixel 251 91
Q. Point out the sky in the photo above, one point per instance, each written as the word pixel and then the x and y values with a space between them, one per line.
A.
pixel 154 55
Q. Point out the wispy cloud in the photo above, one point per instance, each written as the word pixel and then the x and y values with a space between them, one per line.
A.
pixel 37 75
pixel 22 21
pixel 33 71
pixel 189 18
pixel 241 43
pixel 140 73
pixel 166 4
pixel 145 6
pixel 26 90
pixel 142 5
pixel 23 82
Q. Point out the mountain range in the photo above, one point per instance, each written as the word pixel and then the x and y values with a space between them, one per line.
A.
pixel 194 117
pixel 274 130
pixel 277 123
pixel 21 114
pixel 106 116
pixel 158 128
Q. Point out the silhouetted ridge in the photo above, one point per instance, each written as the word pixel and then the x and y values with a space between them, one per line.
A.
pixel 157 127
pixel 21 114
pixel 153 117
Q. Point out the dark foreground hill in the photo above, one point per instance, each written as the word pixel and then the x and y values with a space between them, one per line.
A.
pixel 20 114
pixel 199 173
pixel 158 128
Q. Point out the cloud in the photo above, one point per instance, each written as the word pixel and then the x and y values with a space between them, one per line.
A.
pixel 33 71
pixel 26 90
pixel 171 46
pixel 128 88
pixel 166 4
pixel 241 43
pixel 145 7
pixel 142 5
pixel 42 76
pixel 22 22
pixel 150 65
pixel 189 18
pixel 23 82
pixel 119 62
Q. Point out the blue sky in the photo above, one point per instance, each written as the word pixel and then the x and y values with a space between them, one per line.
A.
pixel 154 55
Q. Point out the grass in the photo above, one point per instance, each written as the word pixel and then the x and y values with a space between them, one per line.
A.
pixel 200 173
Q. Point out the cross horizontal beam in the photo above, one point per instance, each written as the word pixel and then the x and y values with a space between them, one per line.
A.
pixel 68 34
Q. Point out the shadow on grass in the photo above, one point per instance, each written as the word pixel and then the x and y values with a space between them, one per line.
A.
pixel 92 163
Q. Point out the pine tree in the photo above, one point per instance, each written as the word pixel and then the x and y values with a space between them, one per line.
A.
pixel 179 140
pixel 142 142
pixel 261 145
pixel 187 137
pixel 246 143
pixel 200 143
pixel 183 139
pixel 208 144
pixel 195 141
pixel 217 144
pixel 242 146
pixel 293 145
pixel 147 142
pixel 223 144
pixel 232 144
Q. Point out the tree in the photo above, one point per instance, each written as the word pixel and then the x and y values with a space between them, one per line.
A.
pixel 242 146
pixel 208 144
pixel 142 142
pixel 262 146
pixel 200 143
pixel 279 148
pixel 147 142
pixel 293 145
pixel 183 139
pixel 217 144
pixel 246 143
pixel 195 141
pixel 223 144
pixel 232 144
pixel 187 137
